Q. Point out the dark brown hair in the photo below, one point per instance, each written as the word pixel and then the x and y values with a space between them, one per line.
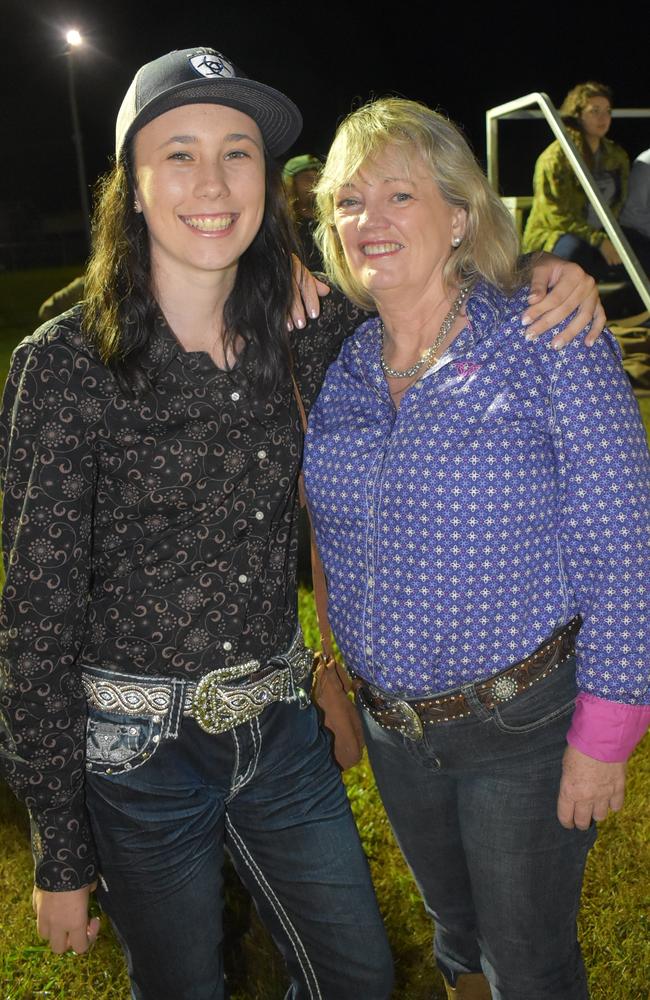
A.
pixel 119 310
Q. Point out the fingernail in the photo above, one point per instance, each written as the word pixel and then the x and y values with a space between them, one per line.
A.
pixel 300 323
pixel 526 320
pixel 529 336
pixel 557 345
pixel 313 313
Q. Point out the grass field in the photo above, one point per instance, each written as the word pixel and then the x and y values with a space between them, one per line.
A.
pixel 615 917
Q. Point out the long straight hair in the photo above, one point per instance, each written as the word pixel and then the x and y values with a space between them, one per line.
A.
pixel 120 311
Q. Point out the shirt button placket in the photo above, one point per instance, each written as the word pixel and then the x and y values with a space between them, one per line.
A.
pixel 370 591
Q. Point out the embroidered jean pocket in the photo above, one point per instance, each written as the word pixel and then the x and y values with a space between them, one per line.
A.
pixel 119 743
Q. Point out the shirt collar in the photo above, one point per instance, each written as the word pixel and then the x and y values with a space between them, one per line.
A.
pixel 161 347
pixel 485 308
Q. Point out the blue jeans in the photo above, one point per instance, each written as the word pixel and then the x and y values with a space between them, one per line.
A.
pixel 572 247
pixel 268 793
pixel 473 807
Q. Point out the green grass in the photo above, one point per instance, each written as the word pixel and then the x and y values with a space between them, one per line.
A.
pixel 615 915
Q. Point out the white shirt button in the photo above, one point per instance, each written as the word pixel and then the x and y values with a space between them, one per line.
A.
pixel 234 396
pixel 227 646
pixel 261 454
pixel 243 578
pixel 259 515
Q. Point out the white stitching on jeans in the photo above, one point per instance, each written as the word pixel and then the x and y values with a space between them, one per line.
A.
pixel 256 733
pixel 235 769
pixel 239 782
pixel 254 727
pixel 280 912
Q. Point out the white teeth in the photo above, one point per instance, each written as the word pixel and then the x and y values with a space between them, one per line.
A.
pixel 377 248
pixel 211 225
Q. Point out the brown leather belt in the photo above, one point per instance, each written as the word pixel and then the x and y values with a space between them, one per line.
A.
pixel 409 716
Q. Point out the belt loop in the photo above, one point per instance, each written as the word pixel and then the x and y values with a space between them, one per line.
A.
pixel 175 714
pixel 474 702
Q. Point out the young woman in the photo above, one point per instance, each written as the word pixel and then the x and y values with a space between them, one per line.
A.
pixel 562 220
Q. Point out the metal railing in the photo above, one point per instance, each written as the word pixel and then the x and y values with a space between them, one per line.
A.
pixel 539 105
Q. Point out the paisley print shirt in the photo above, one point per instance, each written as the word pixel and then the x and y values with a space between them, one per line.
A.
pixel 155 535
pixel 510 491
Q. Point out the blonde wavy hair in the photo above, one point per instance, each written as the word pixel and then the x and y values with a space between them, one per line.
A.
pixel 490 247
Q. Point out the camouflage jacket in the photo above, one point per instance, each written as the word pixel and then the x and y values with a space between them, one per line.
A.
pixel 560 205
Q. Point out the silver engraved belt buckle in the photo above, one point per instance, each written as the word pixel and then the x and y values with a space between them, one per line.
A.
pixel 218 708
pixel 410 723
pixel 407 721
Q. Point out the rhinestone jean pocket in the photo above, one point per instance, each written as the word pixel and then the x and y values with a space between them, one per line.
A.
pixel 117 743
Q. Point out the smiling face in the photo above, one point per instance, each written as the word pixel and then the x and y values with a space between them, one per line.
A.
pixel 200 184
pixel 395 228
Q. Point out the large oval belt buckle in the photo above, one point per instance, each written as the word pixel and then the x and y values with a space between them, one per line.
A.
pixel 209 707
pixel 410 723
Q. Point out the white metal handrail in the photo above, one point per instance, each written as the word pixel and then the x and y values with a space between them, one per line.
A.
pixel 521 108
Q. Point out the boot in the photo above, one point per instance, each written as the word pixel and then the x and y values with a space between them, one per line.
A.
pixel 469 986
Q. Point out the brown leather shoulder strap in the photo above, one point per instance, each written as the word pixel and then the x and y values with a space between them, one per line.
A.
pixel 317 571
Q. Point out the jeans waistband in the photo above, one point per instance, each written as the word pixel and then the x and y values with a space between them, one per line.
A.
pixel 212 702
pixel 409 715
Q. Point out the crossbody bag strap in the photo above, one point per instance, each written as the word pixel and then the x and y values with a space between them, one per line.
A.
pixel 317 571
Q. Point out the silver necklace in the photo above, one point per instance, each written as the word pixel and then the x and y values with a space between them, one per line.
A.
pixel 447 324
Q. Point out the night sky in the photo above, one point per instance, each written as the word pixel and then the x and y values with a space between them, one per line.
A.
pixel 327 57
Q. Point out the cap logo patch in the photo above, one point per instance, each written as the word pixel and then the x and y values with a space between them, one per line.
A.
pixel 209 63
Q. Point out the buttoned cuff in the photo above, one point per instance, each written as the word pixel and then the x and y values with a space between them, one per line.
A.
pixel 607 730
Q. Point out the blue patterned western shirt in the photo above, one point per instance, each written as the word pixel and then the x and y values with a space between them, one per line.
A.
pixel 509 492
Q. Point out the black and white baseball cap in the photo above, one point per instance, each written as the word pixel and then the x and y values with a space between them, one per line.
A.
pixel 205 76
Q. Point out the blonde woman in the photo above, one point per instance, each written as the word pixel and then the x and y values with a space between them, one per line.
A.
pixel 473 493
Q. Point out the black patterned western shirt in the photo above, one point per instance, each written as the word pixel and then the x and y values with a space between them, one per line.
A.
pixel 155 535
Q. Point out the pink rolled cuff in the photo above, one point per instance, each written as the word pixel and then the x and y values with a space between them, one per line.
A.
pixel 607 730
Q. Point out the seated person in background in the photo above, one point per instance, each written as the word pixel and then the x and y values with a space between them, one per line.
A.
pixel 635 215
pixel 562 220
pixel 63 299
pixel 299 175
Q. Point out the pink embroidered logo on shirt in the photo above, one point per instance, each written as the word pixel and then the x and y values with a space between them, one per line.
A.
pixel 466 368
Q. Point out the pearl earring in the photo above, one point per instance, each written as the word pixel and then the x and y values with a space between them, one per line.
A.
pixel 457 240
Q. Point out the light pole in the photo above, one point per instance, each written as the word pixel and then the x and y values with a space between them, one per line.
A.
pixel 74 40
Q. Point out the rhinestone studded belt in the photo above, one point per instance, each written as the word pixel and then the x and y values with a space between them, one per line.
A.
pixel 409 716
pixel 214 702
